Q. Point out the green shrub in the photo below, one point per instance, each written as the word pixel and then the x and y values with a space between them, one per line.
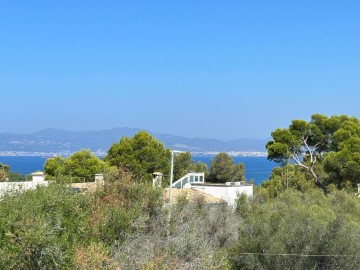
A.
pixel 300 224
pixel 39 228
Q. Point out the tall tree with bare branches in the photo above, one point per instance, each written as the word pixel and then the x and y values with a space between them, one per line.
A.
pixel 305 143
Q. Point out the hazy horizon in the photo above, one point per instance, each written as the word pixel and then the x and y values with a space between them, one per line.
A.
pixel 135 128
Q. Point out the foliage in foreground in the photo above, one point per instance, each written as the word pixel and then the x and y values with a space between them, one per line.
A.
pixel 124 225
pixel 198 238
pixel 39 229
pixel 53 228
pixel 280 233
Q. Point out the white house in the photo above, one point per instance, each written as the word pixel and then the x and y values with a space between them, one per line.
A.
pixel 228 192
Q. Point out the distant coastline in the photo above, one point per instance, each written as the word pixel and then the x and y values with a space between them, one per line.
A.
pixel 230 153
pixel 101 153
pixel 98 153
pixel 55 142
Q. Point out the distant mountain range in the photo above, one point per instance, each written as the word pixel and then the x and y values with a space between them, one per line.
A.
pixel 65 142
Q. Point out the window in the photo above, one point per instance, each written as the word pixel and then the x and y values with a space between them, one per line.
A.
pixel 178 185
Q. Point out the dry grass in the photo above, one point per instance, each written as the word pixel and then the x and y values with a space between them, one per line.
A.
pixel 93 257
pixel 197 237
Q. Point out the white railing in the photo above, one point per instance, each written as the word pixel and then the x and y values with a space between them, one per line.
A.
pixel 189 178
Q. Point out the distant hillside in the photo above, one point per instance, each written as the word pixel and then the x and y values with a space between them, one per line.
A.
pixel 57 140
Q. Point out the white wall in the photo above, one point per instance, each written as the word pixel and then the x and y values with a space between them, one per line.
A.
pixel 6 187
pixel 37 179
pixel 226 193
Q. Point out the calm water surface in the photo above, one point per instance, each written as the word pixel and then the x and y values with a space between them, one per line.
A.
pixel 256 168
pixel 24 165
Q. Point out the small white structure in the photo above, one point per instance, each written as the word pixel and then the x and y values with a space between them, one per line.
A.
pixel 38 177
pixel 157 179
pixel 99 177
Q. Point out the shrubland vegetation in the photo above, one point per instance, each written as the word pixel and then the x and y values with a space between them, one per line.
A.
pixel 123 225
pixel 306 216
pixel 298 230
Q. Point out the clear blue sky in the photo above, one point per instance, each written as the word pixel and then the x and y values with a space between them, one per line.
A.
pixel 215 69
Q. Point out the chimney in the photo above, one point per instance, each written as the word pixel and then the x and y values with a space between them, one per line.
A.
pixel 99 177
pixel 38 177
pixel 157 178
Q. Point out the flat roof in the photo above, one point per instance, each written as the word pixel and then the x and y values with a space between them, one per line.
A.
pixel 37 174
pixel 218 185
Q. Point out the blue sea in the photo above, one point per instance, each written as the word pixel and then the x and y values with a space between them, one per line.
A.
pixel 256 168
pixel 24 164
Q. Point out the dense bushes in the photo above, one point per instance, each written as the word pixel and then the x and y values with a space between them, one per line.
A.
pixel 124 225
pixel 53 228
pixel 197 239
pixel 39 229
pixel 282 232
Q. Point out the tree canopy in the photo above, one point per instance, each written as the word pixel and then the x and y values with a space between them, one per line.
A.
pixel 284 178
pixel 323 140
pixel 141 155
pixel 82 164
pixel 223 169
